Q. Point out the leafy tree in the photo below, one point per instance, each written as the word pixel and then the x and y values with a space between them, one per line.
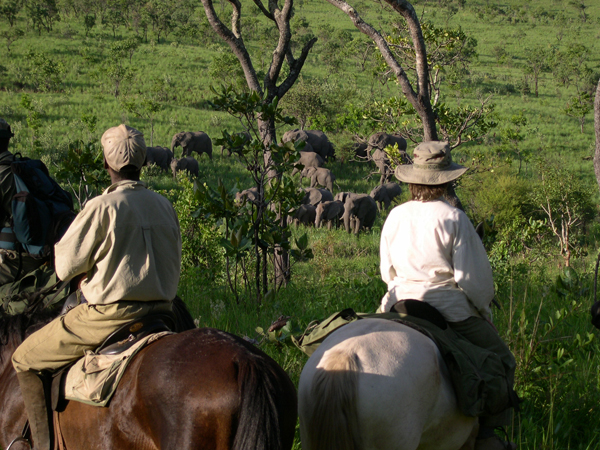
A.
pixel 147 102
pixel 579 106
pixel 9 10
pixel 566 202
pixel 536 62
pixel 272 87
pixel 89 22
pixel 160 13
pixel 44 72
pixel 405 54
pixel 255 227
pixel 11 35
pixel 115 69
pixel 511 135
pixel 82 169
pixel 42 14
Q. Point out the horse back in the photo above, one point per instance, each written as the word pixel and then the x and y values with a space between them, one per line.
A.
pixel 403 399
pixel 196 389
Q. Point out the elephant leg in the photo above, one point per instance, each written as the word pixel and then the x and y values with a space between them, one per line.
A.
pixel 313 182
pixel 357 225
pixel 329 224
pixel 330 186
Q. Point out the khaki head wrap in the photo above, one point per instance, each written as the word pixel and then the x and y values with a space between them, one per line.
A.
pixel 5 129
pixel 123 146
pixel 432 165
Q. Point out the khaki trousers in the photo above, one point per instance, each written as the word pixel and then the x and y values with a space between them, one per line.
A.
pixel 82 328
pixel 480 333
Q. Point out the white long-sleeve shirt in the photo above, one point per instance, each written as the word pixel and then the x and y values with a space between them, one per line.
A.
pixel 431 252
pixel 128 242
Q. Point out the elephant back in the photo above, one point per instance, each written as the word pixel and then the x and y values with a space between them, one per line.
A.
pixel 295 135
pixel 381 140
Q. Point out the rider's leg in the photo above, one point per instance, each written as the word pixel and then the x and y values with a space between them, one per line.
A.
pixel 37 405
pixel 64 340
pixel 479 332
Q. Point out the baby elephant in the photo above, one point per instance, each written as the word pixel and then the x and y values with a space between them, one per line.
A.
pixel 188 163
pixel 305 215
pixel 319 176
pixel 384 194
pixel 330 213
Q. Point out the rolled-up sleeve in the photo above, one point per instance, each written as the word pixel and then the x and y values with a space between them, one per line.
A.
pixel 472 270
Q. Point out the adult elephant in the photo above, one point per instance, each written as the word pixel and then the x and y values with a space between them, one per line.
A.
pixel 317 140
pixel 192 141
pixel 375 149
pixel 329 212
pixel 188 163
pixel 250 195
pixel 359 212
pixel 161 156
pixel 314 196
pixel 308 159
pixel 385 193
pixel 343 196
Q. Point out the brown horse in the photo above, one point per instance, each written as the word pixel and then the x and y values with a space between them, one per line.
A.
pixel 203 388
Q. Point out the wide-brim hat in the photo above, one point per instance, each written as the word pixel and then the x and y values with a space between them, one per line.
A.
pixel 432 165
pixel 123 146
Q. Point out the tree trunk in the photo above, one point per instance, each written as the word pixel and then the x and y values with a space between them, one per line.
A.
pixel 419 99
pixel 597 130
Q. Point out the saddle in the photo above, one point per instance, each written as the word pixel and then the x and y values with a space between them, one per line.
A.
pixel 120 341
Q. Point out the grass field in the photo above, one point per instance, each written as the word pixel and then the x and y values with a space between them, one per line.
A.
pixel 545 323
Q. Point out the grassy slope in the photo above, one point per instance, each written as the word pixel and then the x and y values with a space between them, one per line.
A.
pixel 561 386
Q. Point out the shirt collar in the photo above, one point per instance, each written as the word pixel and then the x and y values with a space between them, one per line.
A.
pixel 125 184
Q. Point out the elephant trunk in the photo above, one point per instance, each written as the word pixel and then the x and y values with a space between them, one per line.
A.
pixel 318 218
pixel 347 221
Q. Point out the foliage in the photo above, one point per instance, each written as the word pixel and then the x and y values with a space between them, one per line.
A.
pixel 82 170
pixel 200 238
pixel 447 48
pixel 45 73
pixel 579 107
pixel 256 226
pixel 566 202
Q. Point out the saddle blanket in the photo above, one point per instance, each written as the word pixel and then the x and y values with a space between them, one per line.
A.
pixel 94 378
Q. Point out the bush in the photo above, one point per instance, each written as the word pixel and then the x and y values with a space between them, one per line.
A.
pixel 200 240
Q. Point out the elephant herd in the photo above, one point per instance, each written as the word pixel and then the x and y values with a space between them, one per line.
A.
pixel 356 211
pixel 320 207
pixel 189 141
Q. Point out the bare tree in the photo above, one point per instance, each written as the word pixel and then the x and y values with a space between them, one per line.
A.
pixel 270 89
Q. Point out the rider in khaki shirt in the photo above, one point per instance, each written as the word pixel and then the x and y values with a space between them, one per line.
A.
pixel 126 244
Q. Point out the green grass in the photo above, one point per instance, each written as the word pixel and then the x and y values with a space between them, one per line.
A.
pixel 558 373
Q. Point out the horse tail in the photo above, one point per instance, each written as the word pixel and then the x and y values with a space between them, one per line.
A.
pixel 267 394
pixel 333 419
pixel 183 319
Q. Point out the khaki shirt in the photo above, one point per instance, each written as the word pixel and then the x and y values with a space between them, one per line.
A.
pixel 7 188
pixel 430 251
pixel 128 242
